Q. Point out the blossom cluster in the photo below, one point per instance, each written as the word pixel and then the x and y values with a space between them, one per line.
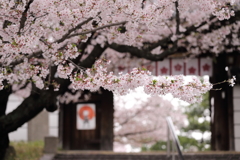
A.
pixel 37 35
pixel 98 76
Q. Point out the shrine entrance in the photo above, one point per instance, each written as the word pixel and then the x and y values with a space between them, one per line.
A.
pixel 87 125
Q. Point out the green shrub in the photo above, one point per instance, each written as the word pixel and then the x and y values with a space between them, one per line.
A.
pixel 26 150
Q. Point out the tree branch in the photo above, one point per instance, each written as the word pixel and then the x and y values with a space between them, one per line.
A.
pixel 96 29
pixel 93 56
pixel 28 109
pixel 24 16
pixel 177 18
pixel 34 54
pixel 4 94
pixel 131 117
pixel 78 67
pixel 86 63
pixel 213 26
pixel 65 36
pixel 82 46
pixel 144 53
pixel 140 52
pixel 135 133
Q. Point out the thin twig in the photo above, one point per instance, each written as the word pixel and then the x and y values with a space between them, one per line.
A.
pixel 220 82
pixel 65 36
pixel 169 28
pixel 78 67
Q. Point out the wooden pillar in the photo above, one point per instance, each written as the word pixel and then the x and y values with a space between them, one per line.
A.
pixel 107 121
pixel 221 108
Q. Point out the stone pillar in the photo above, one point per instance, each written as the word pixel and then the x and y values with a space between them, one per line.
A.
pixel 38 127
pixel 50 144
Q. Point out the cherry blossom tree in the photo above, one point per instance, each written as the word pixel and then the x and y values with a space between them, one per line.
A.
pixel 141 120
pixel 51 46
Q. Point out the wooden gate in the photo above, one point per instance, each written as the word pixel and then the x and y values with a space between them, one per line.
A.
pixel 98 138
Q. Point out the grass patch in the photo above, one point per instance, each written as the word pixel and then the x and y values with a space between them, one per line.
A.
pixel 27 150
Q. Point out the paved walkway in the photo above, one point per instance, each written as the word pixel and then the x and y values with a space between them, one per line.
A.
pixel 103 155
pixel 47 156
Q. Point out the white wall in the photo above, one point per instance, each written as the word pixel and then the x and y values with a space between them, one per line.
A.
pixel 236 108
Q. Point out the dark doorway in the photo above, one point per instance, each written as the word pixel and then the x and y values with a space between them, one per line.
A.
pixel 99 138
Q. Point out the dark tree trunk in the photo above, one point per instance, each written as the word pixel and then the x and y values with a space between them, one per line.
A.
pixel 4 140
pixel 28 109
